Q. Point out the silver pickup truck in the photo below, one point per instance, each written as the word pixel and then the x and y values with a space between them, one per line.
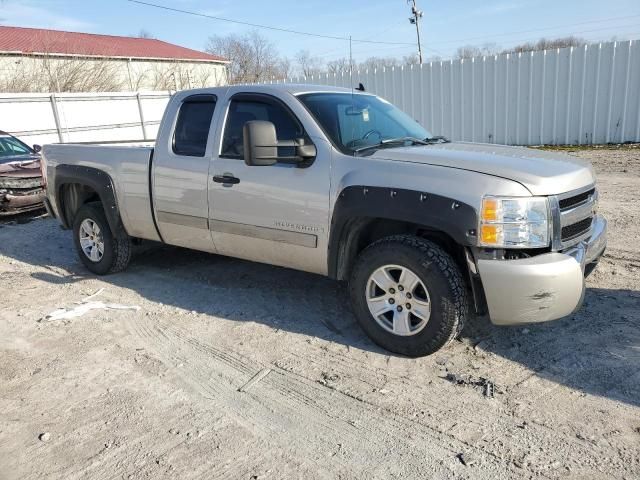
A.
pixel 342 183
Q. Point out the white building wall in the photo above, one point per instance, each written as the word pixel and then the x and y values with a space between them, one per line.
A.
pixel 26 73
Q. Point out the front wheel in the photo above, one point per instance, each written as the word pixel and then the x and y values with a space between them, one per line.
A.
pixel 408 295
pixel 99 250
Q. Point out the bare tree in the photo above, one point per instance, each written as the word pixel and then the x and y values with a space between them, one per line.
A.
pixel 308 64
pixel 51 72
pixel 470 51
pixel 340 65
pixel 18 78
pixel 373 63
pixel 162 78
pixel 145 34
pixel 284 69
pixel 79 74
pixel 547 44
pixel 412 59
pixel 253 58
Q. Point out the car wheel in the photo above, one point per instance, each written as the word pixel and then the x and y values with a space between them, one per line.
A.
pixel 408 295
pixel 97 247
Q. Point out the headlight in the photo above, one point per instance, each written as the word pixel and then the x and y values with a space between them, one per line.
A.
pixel 514 222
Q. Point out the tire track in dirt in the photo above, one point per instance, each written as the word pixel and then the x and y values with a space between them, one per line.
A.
pixel 308 418
pixel 457 417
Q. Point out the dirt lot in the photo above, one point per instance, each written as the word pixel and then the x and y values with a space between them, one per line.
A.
pixel 237 370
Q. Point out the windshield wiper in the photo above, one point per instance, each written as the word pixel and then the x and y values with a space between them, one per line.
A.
pixel 437 139
pixel 405 139
pixel 393 141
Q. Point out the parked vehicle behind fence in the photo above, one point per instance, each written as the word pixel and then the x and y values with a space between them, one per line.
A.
pixel 342 183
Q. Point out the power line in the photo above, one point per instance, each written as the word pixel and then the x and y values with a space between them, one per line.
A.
pixel 337 51
pixel 407 48
pixel 267 27
pixel 378 33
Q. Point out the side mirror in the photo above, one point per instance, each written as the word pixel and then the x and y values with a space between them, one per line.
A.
pixel 260 143
pixel 37 148
pixel 261 146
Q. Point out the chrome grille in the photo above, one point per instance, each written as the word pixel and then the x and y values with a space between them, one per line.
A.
pixel 569 202
pixel 577 229
pixel 573 214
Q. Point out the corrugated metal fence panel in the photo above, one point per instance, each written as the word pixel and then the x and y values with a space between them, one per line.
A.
pixel 586 95
pixel 72 117
pixel 583 95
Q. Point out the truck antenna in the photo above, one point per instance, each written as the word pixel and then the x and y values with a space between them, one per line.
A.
pixel 350 66
pixel 353 103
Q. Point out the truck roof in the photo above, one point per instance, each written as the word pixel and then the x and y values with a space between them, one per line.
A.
pixel 292 88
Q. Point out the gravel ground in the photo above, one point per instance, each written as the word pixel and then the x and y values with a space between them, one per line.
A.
pixel 238 370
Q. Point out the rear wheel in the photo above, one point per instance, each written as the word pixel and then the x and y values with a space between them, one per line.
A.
pixel 99 250
pixel 408 295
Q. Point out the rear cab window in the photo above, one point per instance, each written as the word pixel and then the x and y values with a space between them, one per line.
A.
pixel 193 125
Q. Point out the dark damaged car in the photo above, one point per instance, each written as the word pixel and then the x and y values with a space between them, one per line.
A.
pixel 21 181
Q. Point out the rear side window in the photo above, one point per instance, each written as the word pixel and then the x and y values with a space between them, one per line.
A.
pixel 193 125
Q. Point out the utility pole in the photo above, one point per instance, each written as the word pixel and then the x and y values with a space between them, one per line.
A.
pixel 416 15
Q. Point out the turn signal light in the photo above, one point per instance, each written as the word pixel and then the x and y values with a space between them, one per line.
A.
pixel 489 234
pixel 490 210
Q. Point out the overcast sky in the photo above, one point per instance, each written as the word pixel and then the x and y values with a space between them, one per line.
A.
pixel 447 24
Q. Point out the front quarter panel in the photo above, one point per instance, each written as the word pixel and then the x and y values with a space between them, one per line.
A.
pixel 438 198
pixel 462 185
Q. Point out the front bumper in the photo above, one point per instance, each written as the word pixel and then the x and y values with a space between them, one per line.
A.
pixel 541 288
pixel 11 204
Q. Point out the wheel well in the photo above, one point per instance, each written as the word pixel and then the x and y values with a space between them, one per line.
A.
pixel 73 196
pixel 362 232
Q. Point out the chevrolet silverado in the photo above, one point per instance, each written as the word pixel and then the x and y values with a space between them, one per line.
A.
pixel 342 183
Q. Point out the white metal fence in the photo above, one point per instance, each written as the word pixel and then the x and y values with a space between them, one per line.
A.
pixel 586 95
pixel 82 117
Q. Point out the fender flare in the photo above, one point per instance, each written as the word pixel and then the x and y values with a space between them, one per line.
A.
pixel 359 204
pixel 99 181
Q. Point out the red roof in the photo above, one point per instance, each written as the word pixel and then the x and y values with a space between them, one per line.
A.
pixel 35 40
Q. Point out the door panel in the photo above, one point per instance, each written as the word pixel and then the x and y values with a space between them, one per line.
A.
pixel 277 214
pixel 181 174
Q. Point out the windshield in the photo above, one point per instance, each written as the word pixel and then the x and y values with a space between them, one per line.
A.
pixel 354 122
pixel 10 146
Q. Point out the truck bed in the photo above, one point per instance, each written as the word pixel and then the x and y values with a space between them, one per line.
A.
pixel 128 165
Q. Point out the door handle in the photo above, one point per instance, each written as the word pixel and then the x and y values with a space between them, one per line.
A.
pixel 226 179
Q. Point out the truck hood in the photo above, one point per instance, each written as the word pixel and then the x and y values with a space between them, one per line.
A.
pixel 541 172
pixel 20 166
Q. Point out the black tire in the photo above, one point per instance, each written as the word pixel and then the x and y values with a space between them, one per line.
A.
pixel 439 274
pixel 117 250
